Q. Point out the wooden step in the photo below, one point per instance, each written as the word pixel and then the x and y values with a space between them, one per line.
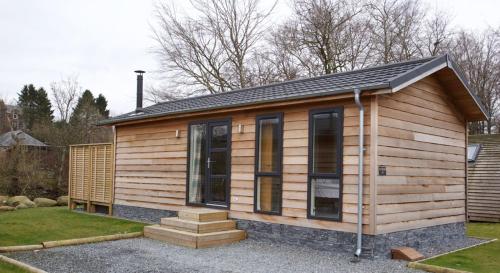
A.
pixel 221 238
pixel 176 237
pixel 203 215
pixel 197 227
pixel 193 240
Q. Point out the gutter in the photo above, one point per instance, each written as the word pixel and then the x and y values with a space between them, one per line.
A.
pixel 357 95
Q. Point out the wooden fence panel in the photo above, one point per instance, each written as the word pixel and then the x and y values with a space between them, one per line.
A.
pixel 91 175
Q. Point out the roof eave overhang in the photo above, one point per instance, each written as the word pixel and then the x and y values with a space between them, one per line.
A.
pixel 435 66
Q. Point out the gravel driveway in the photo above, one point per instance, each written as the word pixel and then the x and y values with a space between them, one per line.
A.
pixel 145 255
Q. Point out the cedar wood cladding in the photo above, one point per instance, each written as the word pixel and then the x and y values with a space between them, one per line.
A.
pixel 422 140
pixel 415 132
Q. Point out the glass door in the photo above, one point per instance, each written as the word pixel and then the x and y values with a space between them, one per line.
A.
pixel 209 163
pixel 218 164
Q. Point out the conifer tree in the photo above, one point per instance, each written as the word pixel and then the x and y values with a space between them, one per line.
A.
pixel 35 106
pixel 102 104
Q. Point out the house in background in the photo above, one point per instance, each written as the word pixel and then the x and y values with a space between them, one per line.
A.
pixel 483 185
pixel 10 118
pixel 14 114
pixel 19 138
pixel 283 159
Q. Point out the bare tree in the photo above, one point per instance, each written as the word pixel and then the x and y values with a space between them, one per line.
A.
pixel 321 35
pixel 211 49
pixel 437 37
pixel 291 57
pixel 479 57
pixel 223 45
pixel 395 29
pixel 155 94
pixel 65 94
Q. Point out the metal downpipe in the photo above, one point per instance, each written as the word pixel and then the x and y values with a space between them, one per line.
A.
pixel 357 98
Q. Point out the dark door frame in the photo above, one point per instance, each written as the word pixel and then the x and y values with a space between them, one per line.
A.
pixel 206 181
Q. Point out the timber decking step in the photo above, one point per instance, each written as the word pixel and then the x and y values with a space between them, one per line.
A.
pixel 193 240
pixel 198 227
pixel 203 215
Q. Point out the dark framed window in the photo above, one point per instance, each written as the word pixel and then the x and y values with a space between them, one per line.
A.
pixel 324 187
pixel 268 163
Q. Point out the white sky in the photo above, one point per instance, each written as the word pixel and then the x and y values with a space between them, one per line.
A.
pixel 103 42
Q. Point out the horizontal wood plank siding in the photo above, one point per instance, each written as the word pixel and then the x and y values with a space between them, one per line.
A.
pixel 151 165
pixel 421 141
pixel 483 188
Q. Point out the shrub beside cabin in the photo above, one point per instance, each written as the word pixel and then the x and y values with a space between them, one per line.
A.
pixel 283 158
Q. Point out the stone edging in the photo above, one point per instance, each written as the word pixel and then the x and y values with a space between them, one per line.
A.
pixel 22 265
pixel 440 269
pixel 69 242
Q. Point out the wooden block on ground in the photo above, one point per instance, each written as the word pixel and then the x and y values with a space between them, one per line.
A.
pixel 406 253
pixel 203 215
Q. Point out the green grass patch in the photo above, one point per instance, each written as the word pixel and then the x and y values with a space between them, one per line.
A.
pixel 481 259
pixel 10 268
pixel 33 226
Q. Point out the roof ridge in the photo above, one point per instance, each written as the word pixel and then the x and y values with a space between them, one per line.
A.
pixel 423 60
pixel 434 58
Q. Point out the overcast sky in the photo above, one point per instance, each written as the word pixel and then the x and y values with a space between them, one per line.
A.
pixel 104 41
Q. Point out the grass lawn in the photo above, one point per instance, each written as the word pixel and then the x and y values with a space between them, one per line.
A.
pixel 9 268
pixel 484 258
pixel 33 226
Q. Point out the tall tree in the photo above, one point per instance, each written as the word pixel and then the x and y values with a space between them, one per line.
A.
pixel 85 117
pixel 478 54
pixel 4 121
pixel 325 36
pixel 210 48
pixel 102 105
pixel 35 106
pixel 395 29
pixel 65 94
pixel 437 37
pixel 223 45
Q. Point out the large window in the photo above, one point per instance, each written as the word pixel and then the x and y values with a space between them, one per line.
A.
pixel 325 162
pixel 268 164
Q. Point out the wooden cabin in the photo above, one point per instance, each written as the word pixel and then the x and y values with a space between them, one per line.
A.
pixel 282 159
pixel 483 185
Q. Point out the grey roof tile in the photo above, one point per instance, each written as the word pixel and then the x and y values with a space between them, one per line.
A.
pixel 12 138
pixel 332 84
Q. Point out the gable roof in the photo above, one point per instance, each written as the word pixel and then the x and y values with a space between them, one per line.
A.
pixel 391 76
pixel 13 138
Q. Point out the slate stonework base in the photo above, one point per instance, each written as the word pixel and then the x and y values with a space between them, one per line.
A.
pixel 446 237
pixel 142 214
pixel 374 246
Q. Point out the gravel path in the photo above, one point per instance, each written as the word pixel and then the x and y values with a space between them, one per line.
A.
pixel 148 256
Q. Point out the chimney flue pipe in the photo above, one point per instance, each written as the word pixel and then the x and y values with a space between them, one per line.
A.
pixel 139 90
